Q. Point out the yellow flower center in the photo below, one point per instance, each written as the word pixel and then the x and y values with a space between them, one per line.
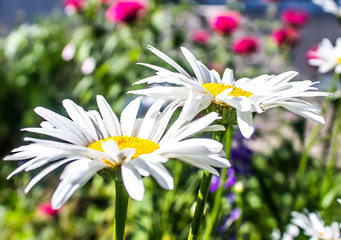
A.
pixel 215 89
pixel 142 146
pixel 339 60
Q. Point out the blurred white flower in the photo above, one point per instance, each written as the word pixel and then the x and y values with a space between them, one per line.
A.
pixel 88 66
pixel 329 6
pixel 327 57
pixel 246 96
pixel 68 52
pixel 92 141
pixel 291 233
pixel 314 226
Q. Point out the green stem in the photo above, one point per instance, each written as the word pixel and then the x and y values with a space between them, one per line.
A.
pixel 200 206
pixel 334 151
pixel 313 135
pixel 202 197
pixel 215 216
pixel 121 206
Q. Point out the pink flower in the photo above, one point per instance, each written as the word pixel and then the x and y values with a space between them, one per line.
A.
pixel 312 53
pixel 200 36
pixel 245 45
pixel 124 11
pixel 285 36
pixel 225 23
pixel 294 18
pixel 46 210
pixel 75 4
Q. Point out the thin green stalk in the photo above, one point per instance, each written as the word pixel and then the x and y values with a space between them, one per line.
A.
pixel 334 151
pixel 121 206
pixel 313 135
pixel 215 215
pixel 200 206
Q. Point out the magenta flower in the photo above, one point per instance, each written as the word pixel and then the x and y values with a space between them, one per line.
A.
pixel 124 11
pixel 245 45
pixel 46 210
pixel 75 4
pixel 200 37
pixel 285 36
pixel 225 23
pixel 295 18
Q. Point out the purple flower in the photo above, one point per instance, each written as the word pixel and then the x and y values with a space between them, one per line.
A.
pixel 231 178
pixel 215 183
pixel 227 221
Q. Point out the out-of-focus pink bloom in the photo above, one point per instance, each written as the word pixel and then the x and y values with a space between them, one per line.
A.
pixel 46 210
pixel 285 36
pixel 295 18
pixel 76 4
pixel 225 23
pixel 88 66
pixel 68 52
pixel 245 45
pixel 312 53
pixel 124 11
pixel 200 36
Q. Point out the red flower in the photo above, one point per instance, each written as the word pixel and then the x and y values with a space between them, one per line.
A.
pixel 285 36
pixel 46 210
pixel 124 11
pixel 245 45
pixel 200 36
pixel 75 4
pixel 225 23
pixel 295 18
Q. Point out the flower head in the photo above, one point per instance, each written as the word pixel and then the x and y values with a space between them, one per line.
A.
pixel 200 37
pixel 68 52
pixel 295 18
pixel 314 226
pixel 327 57
pixel 329 6
pixel 243 97
pixel 225 23
pixel 245 45
pixel 88 65
pixel 135 147
pixel 124 11
pixel 286 36
pixel 72 6
pixel 77 4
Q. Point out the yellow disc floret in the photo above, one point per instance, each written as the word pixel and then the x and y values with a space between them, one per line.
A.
pixel 339 60
pixel 142 146
pixel 215 89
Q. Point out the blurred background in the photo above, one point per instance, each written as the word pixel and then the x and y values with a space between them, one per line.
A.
pixel 52 50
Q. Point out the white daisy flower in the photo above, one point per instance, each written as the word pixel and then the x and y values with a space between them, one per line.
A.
pixel 327 57
pixel 92 141
pixel 314 226
pixel 291 233
pixel 246 96
pixel 329 6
